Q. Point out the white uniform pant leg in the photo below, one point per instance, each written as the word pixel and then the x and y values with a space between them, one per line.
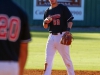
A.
pixel 50 52
pixel 64 52
pixel 9 68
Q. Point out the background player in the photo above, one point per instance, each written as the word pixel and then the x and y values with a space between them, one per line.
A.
pixel 59 20
pixel 14 38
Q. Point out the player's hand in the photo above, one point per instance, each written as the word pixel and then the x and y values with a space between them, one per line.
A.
pixel 48 20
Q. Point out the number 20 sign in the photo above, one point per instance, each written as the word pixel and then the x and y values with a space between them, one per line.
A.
pixel 9 28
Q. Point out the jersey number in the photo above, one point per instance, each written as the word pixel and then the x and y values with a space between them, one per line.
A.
pixel 56 22
pixel 9 28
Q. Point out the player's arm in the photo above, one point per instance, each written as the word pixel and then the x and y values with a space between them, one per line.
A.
pixel 45 26
pixel 46 22
pixel 25 37
pixel 69 18
pixel 70 25
pixel 23 57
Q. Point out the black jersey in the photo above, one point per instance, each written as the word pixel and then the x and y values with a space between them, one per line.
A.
pixel 60 15
pixel 14 29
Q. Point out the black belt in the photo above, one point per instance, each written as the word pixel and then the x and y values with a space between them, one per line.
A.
pixel 56 33
pixel 53 33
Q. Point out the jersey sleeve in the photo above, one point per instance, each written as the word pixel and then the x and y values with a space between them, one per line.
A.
pixel 44 16
pixel 46 13
pixel 68 15
pixel 25 31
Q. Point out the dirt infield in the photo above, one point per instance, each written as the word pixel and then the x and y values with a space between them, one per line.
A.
pixel 60 72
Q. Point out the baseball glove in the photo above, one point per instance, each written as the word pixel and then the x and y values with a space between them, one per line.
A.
pixel 66 39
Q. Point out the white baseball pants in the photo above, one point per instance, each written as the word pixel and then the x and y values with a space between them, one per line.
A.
pixel 9 68
pixel 53 44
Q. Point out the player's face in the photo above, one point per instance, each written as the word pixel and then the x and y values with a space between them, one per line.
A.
pixel 53 1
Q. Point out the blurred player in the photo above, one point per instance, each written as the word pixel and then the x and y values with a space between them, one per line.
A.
pixel 59 20
pixel 14 38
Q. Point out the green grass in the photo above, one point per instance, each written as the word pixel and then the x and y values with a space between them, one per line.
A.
pixel 84 51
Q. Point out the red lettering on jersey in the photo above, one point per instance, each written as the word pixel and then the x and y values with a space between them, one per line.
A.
pixel 56 19
pixel 3 27
pixel 55 16
pixel 54 22
pixel 14 28
pixel 9 28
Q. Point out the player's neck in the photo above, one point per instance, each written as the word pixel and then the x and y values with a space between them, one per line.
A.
pixel 54 5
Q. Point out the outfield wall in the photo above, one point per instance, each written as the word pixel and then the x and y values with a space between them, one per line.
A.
pixel 91 13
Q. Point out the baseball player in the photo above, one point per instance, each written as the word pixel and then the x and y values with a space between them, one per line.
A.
pixel 14 38
pixel 58 19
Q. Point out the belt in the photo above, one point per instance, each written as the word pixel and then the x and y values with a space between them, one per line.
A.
pixel 56 33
